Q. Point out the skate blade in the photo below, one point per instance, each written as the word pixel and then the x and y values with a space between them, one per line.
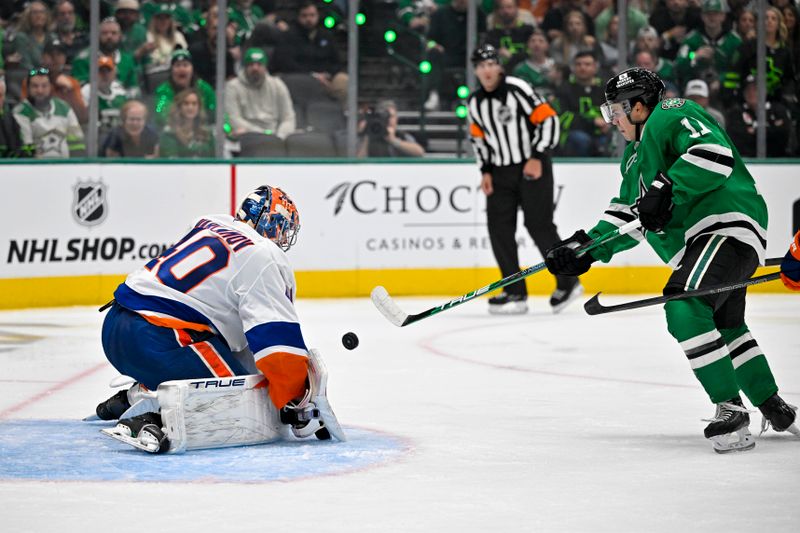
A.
pixel 91 418
pixel 794 430
pixel 517 308
pixel 738 441
pixel 149 447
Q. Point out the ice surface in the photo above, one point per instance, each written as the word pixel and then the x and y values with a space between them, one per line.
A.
pixel 462 422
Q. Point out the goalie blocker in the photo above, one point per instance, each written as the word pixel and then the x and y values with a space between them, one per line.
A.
pixel 199 414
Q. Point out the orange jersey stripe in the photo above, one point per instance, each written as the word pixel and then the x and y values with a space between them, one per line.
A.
pixel 212 359
pixel 476 130
pixel 168 322
pixel 542 113
pixel 286 374
pixel 183 337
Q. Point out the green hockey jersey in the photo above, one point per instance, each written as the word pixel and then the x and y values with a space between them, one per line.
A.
pixel 713 192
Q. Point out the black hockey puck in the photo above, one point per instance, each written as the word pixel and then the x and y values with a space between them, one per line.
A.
pixel 349 340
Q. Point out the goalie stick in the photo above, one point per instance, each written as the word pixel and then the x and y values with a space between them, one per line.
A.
pixel 594 307
pixel 388 308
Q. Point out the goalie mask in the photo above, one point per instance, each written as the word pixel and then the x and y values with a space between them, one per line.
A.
pixel 272 214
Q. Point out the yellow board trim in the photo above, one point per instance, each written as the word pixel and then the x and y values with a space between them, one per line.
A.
pixel 97 290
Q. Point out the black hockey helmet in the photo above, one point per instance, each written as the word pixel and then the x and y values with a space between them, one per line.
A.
pixel 483 53
pixel 632 85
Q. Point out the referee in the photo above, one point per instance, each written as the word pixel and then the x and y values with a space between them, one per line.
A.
pixel 512 130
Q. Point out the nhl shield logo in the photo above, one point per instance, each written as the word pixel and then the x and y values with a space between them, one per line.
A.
pixel 89 203
pixel 504 114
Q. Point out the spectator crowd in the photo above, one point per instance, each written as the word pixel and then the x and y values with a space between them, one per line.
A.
pixel 286 77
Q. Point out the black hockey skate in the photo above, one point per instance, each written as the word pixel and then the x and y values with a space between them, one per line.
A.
pixel 113 408
pixel 728 430
pixel 565 293
pixel 143 432
pixel 779 414
pixel 508 304
pixel 304 422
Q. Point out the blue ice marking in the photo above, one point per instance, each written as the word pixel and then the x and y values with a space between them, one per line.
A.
pixel 70 450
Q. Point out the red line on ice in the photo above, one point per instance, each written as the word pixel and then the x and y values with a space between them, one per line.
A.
pixel 52 390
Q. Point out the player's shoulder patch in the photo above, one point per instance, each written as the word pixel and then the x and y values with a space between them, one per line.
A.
pixel 672 103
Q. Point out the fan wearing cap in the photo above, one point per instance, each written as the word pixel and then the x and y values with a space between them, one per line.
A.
pixel 180 14
pixel 711 53
pixel 181 77
pixel 134 33
pixel 164 38
pixel 697 90
pixel 742 120
pixel 701 212
pixel 64 86
pixel 111 95
pixel 257 102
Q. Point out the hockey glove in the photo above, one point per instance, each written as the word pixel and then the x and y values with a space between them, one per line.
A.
pixel 655 207
pixel 562 260
pixel 790 266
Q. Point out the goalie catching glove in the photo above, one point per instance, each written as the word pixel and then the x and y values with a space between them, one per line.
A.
pixel 790 266
pixel 655 207
pixel 562 259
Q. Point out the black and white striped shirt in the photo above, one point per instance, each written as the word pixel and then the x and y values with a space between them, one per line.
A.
pixel 511 124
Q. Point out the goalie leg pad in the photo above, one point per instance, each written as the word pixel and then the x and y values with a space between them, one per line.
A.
pixel 217 413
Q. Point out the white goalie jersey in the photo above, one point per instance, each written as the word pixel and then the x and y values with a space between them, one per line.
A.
pixel 221 277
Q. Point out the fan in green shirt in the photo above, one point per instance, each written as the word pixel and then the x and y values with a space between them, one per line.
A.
pixel 109 43
pixel 182 77
pixel 186 135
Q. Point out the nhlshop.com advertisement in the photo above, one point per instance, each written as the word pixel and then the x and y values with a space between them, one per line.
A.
pixel 76 220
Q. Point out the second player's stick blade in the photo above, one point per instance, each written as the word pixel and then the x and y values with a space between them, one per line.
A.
pixel 387 307
pixel 593 306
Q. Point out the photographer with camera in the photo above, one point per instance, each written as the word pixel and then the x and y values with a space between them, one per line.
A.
pixel 378 135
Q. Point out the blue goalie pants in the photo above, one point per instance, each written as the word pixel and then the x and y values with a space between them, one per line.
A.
pixel 153 354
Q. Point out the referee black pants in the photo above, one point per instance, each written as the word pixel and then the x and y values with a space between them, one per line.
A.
pixel 512 191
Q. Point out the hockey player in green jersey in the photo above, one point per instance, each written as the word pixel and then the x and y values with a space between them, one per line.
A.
pixel 702 214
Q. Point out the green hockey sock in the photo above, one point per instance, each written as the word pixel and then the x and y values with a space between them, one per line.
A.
pixel 752 369
pixel 691 323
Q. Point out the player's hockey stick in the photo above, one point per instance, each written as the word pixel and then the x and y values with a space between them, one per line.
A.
pixel 387 306
pixel 594 307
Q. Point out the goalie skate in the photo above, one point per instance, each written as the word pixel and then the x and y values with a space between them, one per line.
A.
pixel 313 415
pixel 142 432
